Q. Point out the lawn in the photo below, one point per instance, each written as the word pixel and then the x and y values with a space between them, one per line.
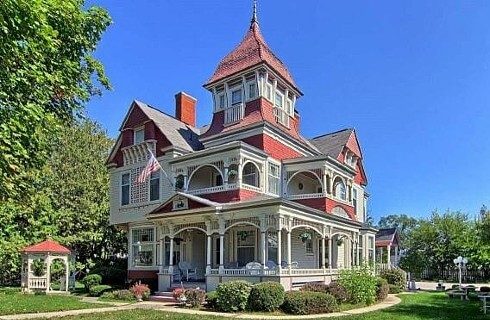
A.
pixel 29 303
pixel 420 306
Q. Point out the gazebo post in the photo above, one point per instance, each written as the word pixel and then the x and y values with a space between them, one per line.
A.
pixel 67 284
pixel 48 272
pixel 28 276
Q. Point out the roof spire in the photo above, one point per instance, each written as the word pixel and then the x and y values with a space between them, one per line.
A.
pixel 254 14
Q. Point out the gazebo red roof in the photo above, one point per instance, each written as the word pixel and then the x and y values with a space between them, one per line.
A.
pixel 252 51
pixel 47 246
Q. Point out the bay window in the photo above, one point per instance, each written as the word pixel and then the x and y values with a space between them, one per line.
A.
pixel 236 96
pixel 143 247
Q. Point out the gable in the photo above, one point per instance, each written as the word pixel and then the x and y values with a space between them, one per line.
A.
pixel 181 202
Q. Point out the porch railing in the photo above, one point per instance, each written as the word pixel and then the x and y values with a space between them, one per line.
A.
pixel 234 113
pixel 305 196
pixel 38 282
pixel 272 272
pixel 207 190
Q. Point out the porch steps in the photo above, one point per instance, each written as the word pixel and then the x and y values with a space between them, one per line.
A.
pixel 162 296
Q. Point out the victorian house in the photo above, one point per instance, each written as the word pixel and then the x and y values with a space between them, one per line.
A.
pixel 245 197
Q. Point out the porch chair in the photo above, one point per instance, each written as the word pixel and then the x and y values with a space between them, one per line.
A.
pixel 271 265
pixel 188 270
pixel 253 268
pixel 176 274
pixel 294 264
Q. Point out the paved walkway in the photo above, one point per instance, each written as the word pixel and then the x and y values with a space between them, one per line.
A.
pixel 164 307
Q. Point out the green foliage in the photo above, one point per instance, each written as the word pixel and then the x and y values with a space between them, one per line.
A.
pixel 233 295
pixel 38 267
pixel 266 296
pixel 396 277
pixel 212 300
pixel 98 290
pixel 315 287
pixel 360 284
pixel 48 71
pixel 308 302
pixel 402 222
pixel 9 290
pixel 393 289
pixel 339 292
pixel 195 297
pixel 382 289
pixel 91 280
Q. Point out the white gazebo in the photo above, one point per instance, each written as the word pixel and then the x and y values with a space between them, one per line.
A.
pixel 36 266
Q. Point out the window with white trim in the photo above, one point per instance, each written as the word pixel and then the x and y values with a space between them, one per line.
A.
pixel 125 185
pixel 236 96
pixel 340 191
pixel 221 101
pixel 282 116
pixel 268 92
pixel 144 247
pixel 252 90
pixel 274 178
pixel 289 106
pixel 354 199
pixel 155 186
pixel 250 175
pixel 360 245
pixel 139 135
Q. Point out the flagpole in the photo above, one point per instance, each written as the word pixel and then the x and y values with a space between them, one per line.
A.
pixel 160 166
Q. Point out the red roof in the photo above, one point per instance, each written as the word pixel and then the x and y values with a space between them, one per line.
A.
pixel 250 52
pixel 47 246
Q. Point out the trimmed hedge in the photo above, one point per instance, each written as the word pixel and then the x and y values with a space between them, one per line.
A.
pixel 393 289
pixel 315 287
pixel 233 295
pixel 396 277
pixel 91 280
pixel 308 302
pixel 382 289
pixel 266 296
pixel 339 292
pixel 124 295
pixel 98 290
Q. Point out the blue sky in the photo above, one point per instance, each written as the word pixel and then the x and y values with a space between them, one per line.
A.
pixel 412 77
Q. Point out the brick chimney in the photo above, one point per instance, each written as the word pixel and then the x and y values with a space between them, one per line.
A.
pixel 185 108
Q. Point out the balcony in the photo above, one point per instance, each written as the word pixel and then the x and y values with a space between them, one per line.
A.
pixel 234 113
pixel 304 185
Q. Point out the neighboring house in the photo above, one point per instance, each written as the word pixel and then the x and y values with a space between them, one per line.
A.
pixel 387 247
pixel 247 188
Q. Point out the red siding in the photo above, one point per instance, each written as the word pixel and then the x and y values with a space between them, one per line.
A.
pixel 278 150
pixel 327 205
pixel 348 208
pixel 230 195
pixel 316 203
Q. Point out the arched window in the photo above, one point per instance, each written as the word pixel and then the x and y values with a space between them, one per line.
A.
pixel 339 187
pixel 250 175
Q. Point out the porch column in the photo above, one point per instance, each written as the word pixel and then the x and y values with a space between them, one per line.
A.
pixel 162 252
pixel 221 252
pixel 380 255
pixel 48 273
pixel 208 254
pixel 396 256
pixel 358 256
pixel 171 256
pixel 330 258
pixel 324 182
pixel 289 250
pixel 388 261
pixel 323 252
pixel 279 248
pixel 263 246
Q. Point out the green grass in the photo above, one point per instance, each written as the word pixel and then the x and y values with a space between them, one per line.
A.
pixel 29 303
pixel 420 306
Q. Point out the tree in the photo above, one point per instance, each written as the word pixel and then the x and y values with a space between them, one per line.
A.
pixel 67 199
pixel 47 72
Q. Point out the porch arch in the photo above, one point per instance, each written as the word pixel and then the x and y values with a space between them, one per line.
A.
pixel 305 226
pixel 205 172
pixel 251 174
pixel 307 185
pixel 187 228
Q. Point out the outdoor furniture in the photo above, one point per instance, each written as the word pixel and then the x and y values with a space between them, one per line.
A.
pixel 486 304
pixel 463 294
pixel 271 264
pixel 294 264
pixel 231 265
pixel 253 268
pixel 188 270
pixel 176 274
pixel 440 286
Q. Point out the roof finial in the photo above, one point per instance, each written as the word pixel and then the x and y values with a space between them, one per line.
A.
pixel 254 15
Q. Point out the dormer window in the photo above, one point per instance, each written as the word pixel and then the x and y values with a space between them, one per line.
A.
pixel 221 101
pixel 236 96
pixel 268 92
pixel 279 100
pixel 139 135
pixel 252 90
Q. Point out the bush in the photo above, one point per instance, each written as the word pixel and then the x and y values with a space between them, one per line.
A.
pixel 9 290
pixel 91 280
pixel 308 302
pixel 266 296
pixel 484 289
pixel 140 290
pixel 393 289
pixel 315 287
pixel 233 295
pixel 211 300
pixel 98 290
pixel 339 292
pixel 382 289
pixel 177 293
pixel 360 284
pixel 195 297
pixel 124 295
pixel 396 277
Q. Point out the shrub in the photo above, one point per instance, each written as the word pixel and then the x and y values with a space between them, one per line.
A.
pixel 110 295
pixel 233 295
pixel 396 277
pixel 211 299
pixel 177 293
pixel 91 280
pixel 195 297
pixel 124 295
pixel 140 291
pixel 338 291
pixel 315 287
pixel 484 289
pixel 393 289
pixel 382 289
pixel 98 290
pixel 308 302
pixel 360 284
pixel 266 296
pixel 9 290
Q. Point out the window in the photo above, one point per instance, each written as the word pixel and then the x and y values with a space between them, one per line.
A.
pixel 268 92
pixel 236 96
pixel 340 192
pixel 354 199
pixel 250 175
pixel 251 90
pixel 309 246
pixel 279 100
pixel 274 178
pixel 359 247
pixel 155 186
pixel 139 135
pixel 245 246
pixel 289 106
pixel 221 101
pixel 144 247
pixel 272 246
pixel 125 189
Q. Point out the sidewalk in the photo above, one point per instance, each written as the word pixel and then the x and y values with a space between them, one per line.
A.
pixel 390 301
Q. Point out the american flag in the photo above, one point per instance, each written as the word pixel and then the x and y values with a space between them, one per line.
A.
pixel 150 167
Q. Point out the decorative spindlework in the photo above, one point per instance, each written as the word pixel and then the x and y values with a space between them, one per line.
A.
pixel 138 152
pixel 180 203
pixel 139 191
